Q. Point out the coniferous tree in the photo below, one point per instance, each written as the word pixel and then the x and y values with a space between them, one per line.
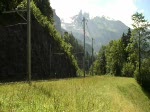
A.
pixel 102 60
pixel 137 46
pixel 77 50
pixel 126 40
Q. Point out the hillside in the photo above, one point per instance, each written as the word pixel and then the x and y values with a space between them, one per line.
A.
pixel 47 45
pixel 102 29
pixel 91 94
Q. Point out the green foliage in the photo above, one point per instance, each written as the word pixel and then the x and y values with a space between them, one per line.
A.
pixel 128 69
pixel 45 23
pixel 45 8
pixel 126 37
pixel 7 5
pixel 126 40
pixel 139 22
pixel 66 37
pixel 96 68
pixel 144 78
pixel 100 63
pixel 132 50
pixel 137 76
pixel 140 33
pixel 103 61
pixel 138 46
pixel 146 73
pixel 129 56
pixel 77 50
pixel 115 56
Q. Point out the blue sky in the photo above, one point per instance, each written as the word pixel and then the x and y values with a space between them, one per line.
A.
pixel 117 9
pixel 144 6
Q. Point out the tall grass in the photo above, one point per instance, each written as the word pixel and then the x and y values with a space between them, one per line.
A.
pixel 91 94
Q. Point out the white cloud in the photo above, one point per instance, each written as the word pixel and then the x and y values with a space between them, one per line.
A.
pixel 117 9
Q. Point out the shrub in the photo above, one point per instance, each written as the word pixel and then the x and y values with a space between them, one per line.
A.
pixel 144 77
pixel 128 70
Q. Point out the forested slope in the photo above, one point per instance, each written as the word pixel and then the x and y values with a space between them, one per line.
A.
pixel 128 56
pixel 51 56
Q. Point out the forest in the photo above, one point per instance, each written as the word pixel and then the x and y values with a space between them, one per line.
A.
pixel 128 56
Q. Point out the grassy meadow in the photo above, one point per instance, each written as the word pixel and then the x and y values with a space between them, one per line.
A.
pixel 90 94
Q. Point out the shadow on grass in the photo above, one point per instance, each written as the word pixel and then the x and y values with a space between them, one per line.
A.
pixel 43 90
pixel 146 91
pixel 10 82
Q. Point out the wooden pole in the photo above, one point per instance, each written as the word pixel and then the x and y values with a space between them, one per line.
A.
pixel 29 42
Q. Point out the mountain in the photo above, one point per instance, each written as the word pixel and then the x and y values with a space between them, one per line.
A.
pixel 57 22
pixel 61 30
pixel 102 29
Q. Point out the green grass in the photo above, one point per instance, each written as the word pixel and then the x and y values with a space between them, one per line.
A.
pixel 91 94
